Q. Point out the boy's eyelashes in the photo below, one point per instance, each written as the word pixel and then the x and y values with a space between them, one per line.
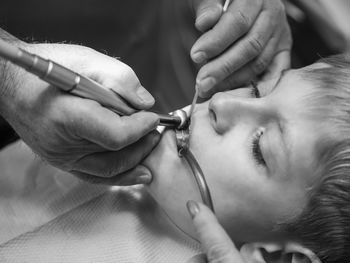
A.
pixel 255 90
pixel 255 148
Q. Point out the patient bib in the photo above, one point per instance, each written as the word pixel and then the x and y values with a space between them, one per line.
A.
pixel 47 215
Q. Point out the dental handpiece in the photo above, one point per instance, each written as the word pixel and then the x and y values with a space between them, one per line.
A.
pixel 72 82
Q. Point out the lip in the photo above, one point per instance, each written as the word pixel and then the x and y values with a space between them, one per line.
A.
pixel 170 138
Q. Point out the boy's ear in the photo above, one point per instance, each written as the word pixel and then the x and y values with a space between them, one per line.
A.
pixel 289 252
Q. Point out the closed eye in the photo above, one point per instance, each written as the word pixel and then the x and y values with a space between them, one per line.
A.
pixel 256 150
pixel 255 90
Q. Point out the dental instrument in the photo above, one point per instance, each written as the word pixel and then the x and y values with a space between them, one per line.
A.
pixel 194 101
pixel 226 4
pixel 182 141
pixel 74 83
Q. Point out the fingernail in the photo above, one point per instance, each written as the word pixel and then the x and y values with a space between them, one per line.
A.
pixel 144 179
pixel 206 85
pixel 193 208
pixel 200 19
pixel 199 57
pixel 144 95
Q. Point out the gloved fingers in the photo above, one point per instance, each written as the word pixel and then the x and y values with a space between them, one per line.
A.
pixel 250 71
pixel 107 129
pixel 233 24
pixel 245 50
pixel 208 12
pixel 138 175
pixel 215 242
pixel 119 77
pixel 110 164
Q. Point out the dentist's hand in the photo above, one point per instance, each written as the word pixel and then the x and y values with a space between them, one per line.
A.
pixel 216 244
pixel 252 38
pixel 79 135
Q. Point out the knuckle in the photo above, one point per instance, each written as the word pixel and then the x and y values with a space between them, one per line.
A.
pixel 81 108
pixel 260 65
pixel 79 118
pixel 255 45
pixel 50 146
pixel 204 9
pixel 242 21
pixel 280 7
pixel 116 142
pixel 218 253
pixel 226 68
pixel 127 78
pixel 127 72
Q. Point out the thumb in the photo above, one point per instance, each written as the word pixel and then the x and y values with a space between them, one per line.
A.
pixel 216 244
pixel 208 13
pixel 138 175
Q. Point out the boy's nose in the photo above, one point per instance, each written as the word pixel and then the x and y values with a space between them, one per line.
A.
pixel 226 111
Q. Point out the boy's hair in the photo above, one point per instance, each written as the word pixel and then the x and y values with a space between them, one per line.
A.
pixel 324 225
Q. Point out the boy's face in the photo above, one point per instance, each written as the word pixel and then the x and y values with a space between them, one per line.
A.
pixel 257 155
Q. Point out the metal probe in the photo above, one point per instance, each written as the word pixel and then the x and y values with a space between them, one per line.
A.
pixel 194 101
pixel 72 82
pixel 182 142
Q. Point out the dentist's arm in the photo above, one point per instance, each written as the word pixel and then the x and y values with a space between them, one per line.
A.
pixel 251 39
pixel 75 134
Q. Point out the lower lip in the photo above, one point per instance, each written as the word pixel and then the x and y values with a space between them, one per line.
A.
pixel 170 139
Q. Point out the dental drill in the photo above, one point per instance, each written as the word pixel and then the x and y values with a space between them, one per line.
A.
pixel 74 83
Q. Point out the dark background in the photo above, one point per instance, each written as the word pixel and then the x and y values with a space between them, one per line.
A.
pixel 109 26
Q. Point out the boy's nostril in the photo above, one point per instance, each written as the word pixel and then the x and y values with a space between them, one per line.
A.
pixel 212 115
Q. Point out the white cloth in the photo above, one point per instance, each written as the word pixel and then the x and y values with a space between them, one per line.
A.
pixel 49 216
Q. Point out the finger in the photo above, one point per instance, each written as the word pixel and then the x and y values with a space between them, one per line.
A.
pixel 109 164
pixel 233 24
pixel 138 175
pixel 215 242
pixel 105 128
pixel 200 258
pixel 281 61
pixel 244 51
pixel 249 72
pixel 119 77
pixel 208 13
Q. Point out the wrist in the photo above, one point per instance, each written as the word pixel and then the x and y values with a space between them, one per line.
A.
pixel 10 76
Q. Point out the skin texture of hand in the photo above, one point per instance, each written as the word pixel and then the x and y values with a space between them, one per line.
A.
pixel 251 39
pixel 79 135
pixel 216 244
